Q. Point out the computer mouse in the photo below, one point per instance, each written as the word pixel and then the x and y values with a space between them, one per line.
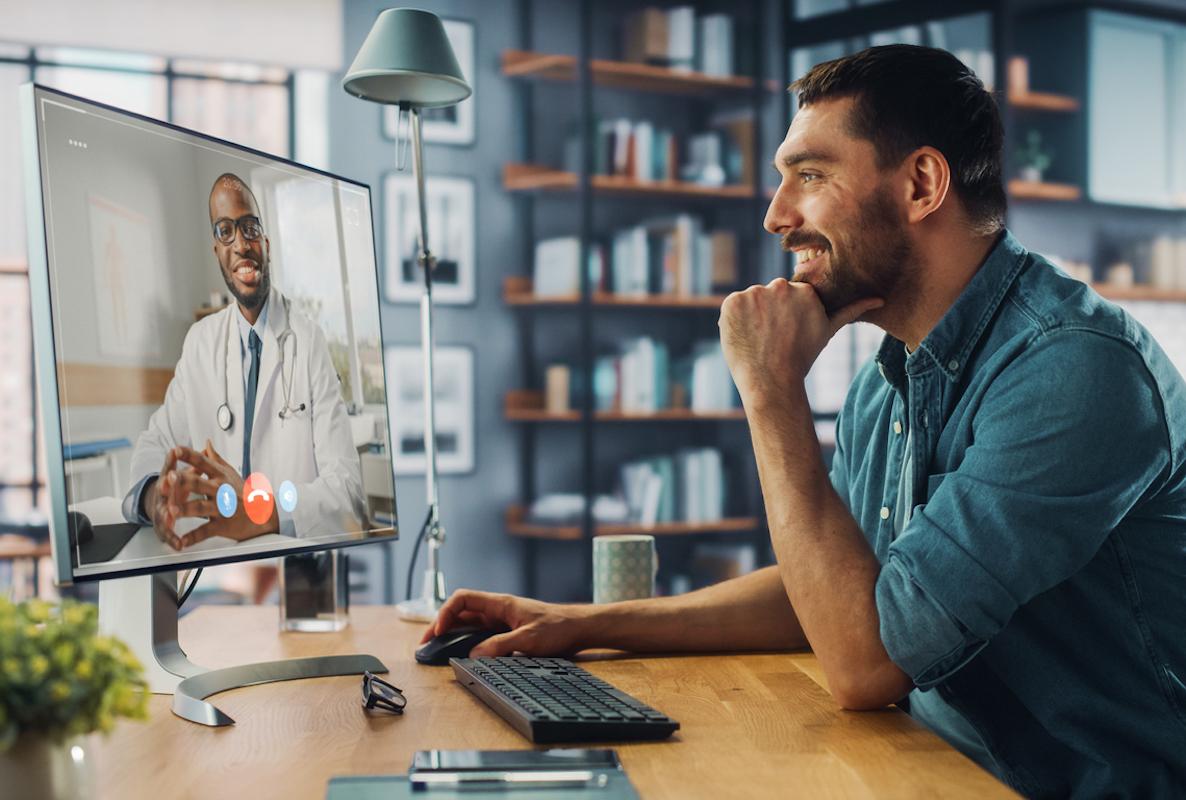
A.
pixel 455 643
pixel 79 525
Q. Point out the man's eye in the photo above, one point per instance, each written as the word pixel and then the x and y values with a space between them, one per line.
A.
pixel 807 177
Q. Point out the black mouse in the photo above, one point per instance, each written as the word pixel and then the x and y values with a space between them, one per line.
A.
pixel 79 525
pixel 455 643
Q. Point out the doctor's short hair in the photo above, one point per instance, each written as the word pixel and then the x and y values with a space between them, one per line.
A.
pixel 231 180
pixel 907 97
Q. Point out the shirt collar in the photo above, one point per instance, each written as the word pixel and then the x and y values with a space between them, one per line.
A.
pixel 245 328
pixel 950 342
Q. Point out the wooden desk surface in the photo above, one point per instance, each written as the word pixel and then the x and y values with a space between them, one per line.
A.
pixel 751 725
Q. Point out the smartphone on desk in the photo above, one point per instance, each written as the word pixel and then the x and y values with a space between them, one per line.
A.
pixel 512 769
pixel 511 760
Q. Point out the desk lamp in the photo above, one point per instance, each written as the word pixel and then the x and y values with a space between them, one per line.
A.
pixel 406 61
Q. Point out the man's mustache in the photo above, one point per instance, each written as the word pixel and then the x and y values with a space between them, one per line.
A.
pixel 792 240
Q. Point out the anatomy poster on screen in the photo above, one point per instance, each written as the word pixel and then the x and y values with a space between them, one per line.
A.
pixel 120 240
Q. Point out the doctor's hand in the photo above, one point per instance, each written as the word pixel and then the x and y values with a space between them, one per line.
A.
pixel 167 493
pixel 215 471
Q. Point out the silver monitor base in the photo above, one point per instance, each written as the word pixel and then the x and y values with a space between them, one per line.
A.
pixel 142 611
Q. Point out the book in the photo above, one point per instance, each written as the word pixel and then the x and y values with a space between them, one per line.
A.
pixel 556 270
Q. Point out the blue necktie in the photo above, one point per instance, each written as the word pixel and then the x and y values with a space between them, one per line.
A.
pixel 255 345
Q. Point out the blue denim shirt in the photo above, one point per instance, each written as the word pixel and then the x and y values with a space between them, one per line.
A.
pixel 1039 586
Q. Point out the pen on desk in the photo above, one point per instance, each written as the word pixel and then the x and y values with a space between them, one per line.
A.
pixel 533 779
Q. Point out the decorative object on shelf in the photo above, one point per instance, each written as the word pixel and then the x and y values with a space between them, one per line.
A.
pixel 407 61
pixel 450 203
pixel 1120 274
pixel 1033 158
pixel 59 681
pixel 1018 75
pixel 454 400
pixel 448 124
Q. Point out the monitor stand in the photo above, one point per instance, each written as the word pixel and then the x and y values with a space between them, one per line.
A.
pixel 142 612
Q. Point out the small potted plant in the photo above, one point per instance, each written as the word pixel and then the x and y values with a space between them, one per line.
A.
pixel 1033 158
pixel 59 680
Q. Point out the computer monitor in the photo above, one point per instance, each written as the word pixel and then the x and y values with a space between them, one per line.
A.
pixel 209 357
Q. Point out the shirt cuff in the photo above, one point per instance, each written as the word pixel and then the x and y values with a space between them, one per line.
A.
pixel 133 501
pixel 925 641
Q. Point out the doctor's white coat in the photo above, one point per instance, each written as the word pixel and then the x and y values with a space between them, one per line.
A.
pixel 312 448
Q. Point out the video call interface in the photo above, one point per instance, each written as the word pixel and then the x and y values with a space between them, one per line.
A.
pixel 219 356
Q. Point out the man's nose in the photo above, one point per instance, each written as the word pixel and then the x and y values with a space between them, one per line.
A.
pixel 782 215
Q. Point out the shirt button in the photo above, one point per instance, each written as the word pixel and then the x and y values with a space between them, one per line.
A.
pixel 885 512
pixel 953 365
pixel 897 427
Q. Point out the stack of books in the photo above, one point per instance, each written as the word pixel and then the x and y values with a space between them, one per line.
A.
pixel 688 486
pixel 670 255
pixel 642 379
pixel 676 38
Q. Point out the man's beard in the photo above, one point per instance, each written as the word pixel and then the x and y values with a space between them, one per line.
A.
pixel 878 259
pixel 256 299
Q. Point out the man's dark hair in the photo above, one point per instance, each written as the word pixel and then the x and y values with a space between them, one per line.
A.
pixel 909 97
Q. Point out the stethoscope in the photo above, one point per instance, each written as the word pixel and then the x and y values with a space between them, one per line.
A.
pixel 225 417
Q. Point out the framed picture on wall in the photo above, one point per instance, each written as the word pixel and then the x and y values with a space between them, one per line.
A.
pixel 454 378
pixel 454 124
pixel 450 204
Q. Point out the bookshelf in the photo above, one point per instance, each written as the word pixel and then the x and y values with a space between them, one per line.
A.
pixel 587 323
pixel 517 291
pixel 517 525
pixel 536 178
pixel 527 405
pixel 1042 190
pixel 620 74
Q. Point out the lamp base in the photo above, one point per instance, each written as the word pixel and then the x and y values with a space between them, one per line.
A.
pixel 422 609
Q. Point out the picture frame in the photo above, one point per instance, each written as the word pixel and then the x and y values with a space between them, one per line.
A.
pixel 454 378
pixel 453 125
pixel 450 205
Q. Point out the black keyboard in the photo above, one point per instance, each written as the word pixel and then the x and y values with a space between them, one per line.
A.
pixel 552 700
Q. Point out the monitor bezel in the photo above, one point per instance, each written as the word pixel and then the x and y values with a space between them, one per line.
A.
pixel 45 347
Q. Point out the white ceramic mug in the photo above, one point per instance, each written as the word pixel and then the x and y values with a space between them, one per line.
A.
pixel 624 568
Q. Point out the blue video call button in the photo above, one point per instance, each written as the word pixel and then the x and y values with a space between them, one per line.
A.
pixel 287 496
pixel 228 501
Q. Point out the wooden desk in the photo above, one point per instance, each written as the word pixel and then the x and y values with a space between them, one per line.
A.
pixel 752 725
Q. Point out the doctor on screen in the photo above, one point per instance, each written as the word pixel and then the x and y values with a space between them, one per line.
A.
pixel 253 434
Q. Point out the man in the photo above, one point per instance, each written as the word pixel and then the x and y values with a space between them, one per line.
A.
pixel 265 371
pixel 1000 545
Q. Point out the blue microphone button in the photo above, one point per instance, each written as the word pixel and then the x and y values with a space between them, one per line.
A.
pixel 228 501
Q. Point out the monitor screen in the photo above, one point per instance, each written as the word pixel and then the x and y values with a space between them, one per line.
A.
pixel 207 330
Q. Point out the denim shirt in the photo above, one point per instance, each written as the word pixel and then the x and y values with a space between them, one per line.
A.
pixel 1039 585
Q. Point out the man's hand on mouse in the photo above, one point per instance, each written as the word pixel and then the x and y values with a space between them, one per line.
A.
pixel 536 628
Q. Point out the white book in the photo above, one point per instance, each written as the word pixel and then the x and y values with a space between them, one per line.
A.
pixel 716 44
pixel 681 37
pixel 556 266
pixel 652 493
pixel 713 484
pixel 644 156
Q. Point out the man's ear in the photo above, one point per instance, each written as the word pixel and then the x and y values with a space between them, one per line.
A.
pixel 928 179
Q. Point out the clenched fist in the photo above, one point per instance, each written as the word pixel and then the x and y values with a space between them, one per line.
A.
pixel 772 334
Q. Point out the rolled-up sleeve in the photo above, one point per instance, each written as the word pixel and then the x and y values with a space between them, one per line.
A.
pixel 1067 439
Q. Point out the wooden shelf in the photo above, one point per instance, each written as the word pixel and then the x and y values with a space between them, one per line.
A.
pixel 517 291
pixel 535 178
pixel 621 74
pixel 527 405
pixel 1043 101
pixel 1039 190
pixel 1140 292
pixel 517 525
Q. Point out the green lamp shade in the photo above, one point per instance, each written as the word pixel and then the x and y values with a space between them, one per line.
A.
pixel 407 60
